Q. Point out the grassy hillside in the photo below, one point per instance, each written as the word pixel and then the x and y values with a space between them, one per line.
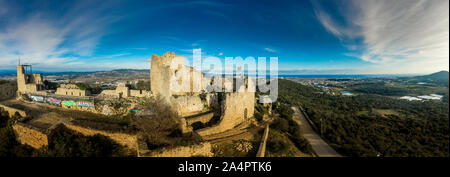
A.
pixel 374 125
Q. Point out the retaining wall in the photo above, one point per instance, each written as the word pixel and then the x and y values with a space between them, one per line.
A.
pixel 12 111
pixel 29 135
pixel 203 150
pixel 127 140
pixel 262 145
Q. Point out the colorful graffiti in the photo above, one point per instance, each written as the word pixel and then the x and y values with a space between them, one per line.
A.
pixel 37 98
pixel 58 102
pixel 69 103
pixel 85 103
pixel 53 101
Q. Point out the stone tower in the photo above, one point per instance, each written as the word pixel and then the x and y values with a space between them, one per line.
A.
pixel 28 82
pixel 169 76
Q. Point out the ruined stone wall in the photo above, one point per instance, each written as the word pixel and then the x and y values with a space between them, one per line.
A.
pixel 236 108
pixel 262 145
pixel 190 80
pixel 212 101
pixel 8 90
pixel 160 73
pixel 202 150
pixel 36 138
pixel 127 140
pixel 203 118
pixel 21 79
pixel 169 76
pixel 108 94
pixel 69 86
pixel 122 91
pixel 29 135
pixel 81 108
pixel 188 105
pixel 28 83
pixel 12 111
pixel 140 93
pixel 36 78
pixel 125 93
pixel 71 92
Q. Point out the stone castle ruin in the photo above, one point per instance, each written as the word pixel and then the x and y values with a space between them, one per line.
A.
pixel 29 82
pixel 71 90
pixel 220 111
pixel 8 90
pixel 122 91
pixel 192 101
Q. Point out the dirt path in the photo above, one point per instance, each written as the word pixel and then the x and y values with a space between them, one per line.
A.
pixel 320 147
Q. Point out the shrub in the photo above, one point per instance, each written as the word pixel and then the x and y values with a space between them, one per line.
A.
pixel 280 124
pixel 258 116
pixel 67 143
pixel 276 143
pixel 284 111
pixel 81 86
pixel 163 128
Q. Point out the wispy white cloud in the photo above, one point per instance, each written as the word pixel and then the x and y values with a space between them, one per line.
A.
pixel 270 50
pixel 116 55
pixel 139 48
pixel 41 39
pixel 400 36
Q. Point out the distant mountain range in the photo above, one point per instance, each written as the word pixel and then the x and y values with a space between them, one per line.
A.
pixel 14 72
pixel 439 76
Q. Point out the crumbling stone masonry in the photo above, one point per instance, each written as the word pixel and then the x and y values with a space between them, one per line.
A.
pixel 8 90
pixel 30 135
pixel 13 111
pixel 237 107
pixel 28 82
pixel 122 91
pixel 167 71
pixel 126 140
pixel 200 150
pixel 71 90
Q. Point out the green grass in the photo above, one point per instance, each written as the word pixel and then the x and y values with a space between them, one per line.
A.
pixel 379 112
pixel 279 145
pixel 386 111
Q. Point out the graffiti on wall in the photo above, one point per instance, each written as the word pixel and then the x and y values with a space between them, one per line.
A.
pixel 53 101
pixel 69 103
pixel 58 102
pixel 37 98
pixel 85 103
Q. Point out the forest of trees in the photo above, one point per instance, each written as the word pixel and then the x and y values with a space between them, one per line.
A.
pixel 351 126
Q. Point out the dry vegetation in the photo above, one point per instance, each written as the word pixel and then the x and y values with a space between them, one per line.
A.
pixel 163 128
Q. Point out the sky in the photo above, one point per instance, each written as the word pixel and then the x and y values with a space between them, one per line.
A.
pixel 308 37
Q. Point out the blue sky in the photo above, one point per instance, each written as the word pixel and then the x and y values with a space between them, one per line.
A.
pixel 308 37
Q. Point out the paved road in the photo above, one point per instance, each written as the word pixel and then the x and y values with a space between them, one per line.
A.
pixel 320 147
